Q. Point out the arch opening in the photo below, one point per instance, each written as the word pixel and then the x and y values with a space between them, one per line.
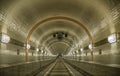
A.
pixel 52 19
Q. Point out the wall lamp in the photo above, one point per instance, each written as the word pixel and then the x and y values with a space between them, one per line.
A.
pixel 81 49
pixel 113 38
pixel 37 49
pixel 27 46
pixel 90 46
pixel 4 38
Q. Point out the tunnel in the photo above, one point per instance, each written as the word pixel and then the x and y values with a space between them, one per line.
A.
pixel 59 37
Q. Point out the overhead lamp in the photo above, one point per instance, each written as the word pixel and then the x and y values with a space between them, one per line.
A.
pixel 27 46
pixel 112 38
pixel 76 52
pixel 81 49
pixel 90 46
pixel 4 38
pixel 37 49
pixel 60 35
pixel 42 51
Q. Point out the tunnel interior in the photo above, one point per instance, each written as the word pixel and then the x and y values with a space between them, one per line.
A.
pixel 80 30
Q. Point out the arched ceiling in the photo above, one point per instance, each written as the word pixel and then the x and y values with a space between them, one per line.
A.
pixel 21 16
pixel 59 47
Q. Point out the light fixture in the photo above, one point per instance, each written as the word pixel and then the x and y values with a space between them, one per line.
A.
pixel 77 52
pixel 27 46
pixel 81 49
pixel 60 35
pixel 90 46
pixel 37 49
pixel 42 51
pixel 4 38
pixel 112 38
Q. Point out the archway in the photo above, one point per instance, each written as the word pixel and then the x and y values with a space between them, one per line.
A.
pixel 52 19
